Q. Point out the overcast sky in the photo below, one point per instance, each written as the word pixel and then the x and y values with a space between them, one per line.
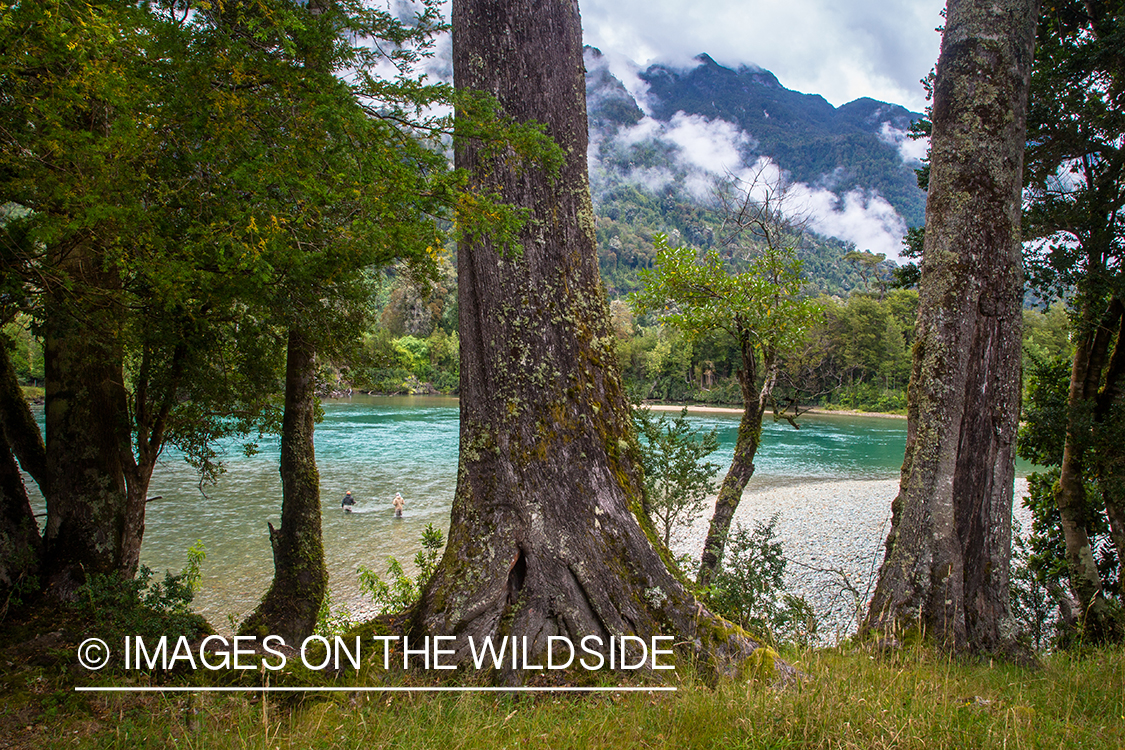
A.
pixel 840 49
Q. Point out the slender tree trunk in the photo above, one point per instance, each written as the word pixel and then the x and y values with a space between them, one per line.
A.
pixel 946 567
pixel 1111 444
pixel 18 423
pixel 1089 404
pixel 19 534
pixel 300 577
pixel 545 538
pixel 742 465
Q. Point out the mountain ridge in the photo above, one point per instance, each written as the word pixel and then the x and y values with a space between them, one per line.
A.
pixel 857 146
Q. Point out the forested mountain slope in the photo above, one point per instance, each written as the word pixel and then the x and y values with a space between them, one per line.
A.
pixel 659 143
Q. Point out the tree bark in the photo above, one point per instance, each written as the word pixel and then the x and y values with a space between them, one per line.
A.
pixel 20 541
pixel 1089 404
pixel 545 538
pixel 945 573
pixel 742 464
pixel 300 578
pixel 87 429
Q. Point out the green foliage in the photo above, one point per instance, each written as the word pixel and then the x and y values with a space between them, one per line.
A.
pixel 630 218
pixel 230 171
pixel 677 480
pixel 747 588
pixel 701 294
pixel 26 350
pixel 117 606
pixel 331 620
pixel 1034 609
pixel 1046 335
pixel 401 591
pixel 1042 433
pixel 1041 558
pixel 407 364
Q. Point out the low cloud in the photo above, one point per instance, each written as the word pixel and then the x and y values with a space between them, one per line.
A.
pixel 709 150
pixel 912 150
pixel 714 146
pixel 863 218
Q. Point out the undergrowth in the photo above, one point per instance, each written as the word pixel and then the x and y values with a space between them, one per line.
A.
pixel 914 698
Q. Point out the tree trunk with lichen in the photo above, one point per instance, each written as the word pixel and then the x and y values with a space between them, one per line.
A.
pixel 945 573
pixel 742 463
pixel 300 577
pixel 88 529
pixel 544 538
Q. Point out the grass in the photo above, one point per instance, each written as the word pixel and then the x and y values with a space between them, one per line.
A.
pixel 912 699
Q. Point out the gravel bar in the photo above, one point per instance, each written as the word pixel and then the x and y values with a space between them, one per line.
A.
pixel 832 533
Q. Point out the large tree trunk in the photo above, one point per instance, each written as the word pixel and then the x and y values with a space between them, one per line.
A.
pixel 946 567
pixel 87 429
pixel 20 542
pixel 742 464
pixel 544 538
pixel 300 577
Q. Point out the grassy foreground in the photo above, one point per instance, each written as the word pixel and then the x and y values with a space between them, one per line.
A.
pixel 913 699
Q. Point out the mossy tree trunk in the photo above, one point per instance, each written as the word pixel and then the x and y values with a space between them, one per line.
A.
pixel 544 537
pixel 947 555
pixel 1093 414
pixel 300 577
pixel 88 530
pixel 20 541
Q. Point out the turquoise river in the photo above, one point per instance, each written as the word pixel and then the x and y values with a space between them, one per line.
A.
pixel 377 446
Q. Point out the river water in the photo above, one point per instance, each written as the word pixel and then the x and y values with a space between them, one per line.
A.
pixel 377 446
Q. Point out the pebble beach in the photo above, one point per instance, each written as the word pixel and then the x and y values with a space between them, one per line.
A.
pixel 832 533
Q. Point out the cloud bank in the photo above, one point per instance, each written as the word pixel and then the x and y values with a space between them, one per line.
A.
pixel 841 49
pixel 708 150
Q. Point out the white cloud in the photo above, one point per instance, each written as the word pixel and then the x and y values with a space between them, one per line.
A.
pixel 704 149
pixel 865 219
pixel 714 149
pixel 912 151
pixel 841 49
pixel 714 146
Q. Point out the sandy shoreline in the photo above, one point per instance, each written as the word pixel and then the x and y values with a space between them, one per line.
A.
pixel 698 409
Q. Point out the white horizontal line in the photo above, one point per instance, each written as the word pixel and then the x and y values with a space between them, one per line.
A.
pixel 277 689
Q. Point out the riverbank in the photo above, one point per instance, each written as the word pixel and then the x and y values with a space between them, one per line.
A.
pixel 814 411
pixel 832 532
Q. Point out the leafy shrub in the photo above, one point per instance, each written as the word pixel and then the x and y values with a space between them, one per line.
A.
pixel 677 480
pixel 332 621
pixel 747 589
pixel 118 606
pixel 401 591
